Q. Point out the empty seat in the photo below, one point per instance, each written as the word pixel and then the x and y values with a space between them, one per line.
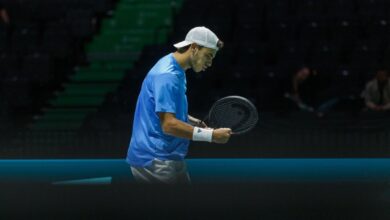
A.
pixel 49 10
pixel 56 41
pixel 325 55
pixel 377 28
pixel 250 52
pixel 365 55
pixel 367 9
pixel 245 71
pixel 308 9
pixel 17 93
pixel 8 61
pixel 345 30
pixel 81 23
pixel 25 38
pixel 277 9
pixel 346 81
pixel 291 56
pixel 313 29
pixel 3 37
pixel 281 30
pixel 340 8
pixel 37 67
pixel 97 6
pixel 248 33
pixel 250 12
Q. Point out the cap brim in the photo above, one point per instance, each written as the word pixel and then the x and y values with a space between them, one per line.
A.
pixel 182 44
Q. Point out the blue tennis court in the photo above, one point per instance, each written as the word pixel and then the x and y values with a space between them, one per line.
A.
pixel 106 171
pixel 222 188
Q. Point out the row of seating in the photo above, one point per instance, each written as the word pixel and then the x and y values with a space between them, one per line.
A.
pixel 113 50
pixel 263 45
pixel 39 49
pixel 277 9
pixel 49 10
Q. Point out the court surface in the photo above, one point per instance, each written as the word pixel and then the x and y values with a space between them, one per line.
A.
pixel 222 189
pixel 107 171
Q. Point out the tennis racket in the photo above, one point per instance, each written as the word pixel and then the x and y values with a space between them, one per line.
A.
pixel 234 112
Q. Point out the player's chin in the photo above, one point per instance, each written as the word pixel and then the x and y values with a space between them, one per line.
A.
pixel 198 70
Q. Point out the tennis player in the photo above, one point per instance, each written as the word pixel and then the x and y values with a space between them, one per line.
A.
pixel 162 127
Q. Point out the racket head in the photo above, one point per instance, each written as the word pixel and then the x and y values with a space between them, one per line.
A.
pixel 235 112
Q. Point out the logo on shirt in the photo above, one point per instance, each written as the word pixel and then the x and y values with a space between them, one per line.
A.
pixel 199 130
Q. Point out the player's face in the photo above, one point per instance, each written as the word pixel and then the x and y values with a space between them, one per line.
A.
pixel 202 58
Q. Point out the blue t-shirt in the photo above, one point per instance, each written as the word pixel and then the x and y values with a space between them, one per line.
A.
pixel 163 90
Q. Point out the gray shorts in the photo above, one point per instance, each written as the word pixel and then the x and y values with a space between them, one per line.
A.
pixel 162 171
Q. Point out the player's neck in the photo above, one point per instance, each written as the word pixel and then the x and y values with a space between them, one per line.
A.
pixel 182 59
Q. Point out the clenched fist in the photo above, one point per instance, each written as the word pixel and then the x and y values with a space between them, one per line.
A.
pixel 221 135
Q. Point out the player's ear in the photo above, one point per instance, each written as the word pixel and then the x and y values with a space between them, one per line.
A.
pixel 194 49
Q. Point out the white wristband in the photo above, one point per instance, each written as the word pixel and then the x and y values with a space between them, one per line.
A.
pixel 202 134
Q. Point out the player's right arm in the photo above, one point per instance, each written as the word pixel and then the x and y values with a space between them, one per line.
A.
pixel 175 127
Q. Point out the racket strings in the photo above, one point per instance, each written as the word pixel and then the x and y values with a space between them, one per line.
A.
pixel 236 113
pixel 226 114
pixel 221 113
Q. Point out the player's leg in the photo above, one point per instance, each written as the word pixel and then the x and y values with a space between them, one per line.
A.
pixel 162 171
pixel 144 175
pixel 183 176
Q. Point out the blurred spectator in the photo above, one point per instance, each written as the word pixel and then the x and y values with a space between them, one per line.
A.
pixel 4 18
pixel 312 92
pixel 295 88
pixel 377 92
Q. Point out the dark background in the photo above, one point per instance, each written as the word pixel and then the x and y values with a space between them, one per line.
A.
pixel 71 70
pixel 44 47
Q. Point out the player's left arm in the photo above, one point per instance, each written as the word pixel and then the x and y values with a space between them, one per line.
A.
pixel 196 122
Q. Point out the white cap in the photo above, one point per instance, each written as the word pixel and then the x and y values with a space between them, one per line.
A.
pixel 201 36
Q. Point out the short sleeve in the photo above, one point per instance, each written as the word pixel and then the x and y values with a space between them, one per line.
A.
pixel 166 93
